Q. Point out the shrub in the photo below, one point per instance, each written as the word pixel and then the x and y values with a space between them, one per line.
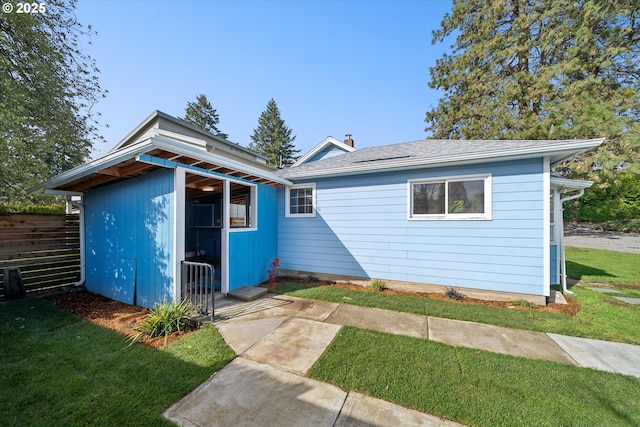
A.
pixel 378 285
pixel 165 319
pixel 454 294
pixel 39 209
pixel 612 197
pixel 524 303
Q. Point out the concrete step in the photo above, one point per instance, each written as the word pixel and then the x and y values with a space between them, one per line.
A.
pixel 248 293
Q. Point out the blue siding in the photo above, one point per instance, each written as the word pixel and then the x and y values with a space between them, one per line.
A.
pixel 361 229
pixel 252 252
pixel 327 152
pixel 129 239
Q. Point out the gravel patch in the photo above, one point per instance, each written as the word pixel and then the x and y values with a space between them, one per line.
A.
pixel 583 236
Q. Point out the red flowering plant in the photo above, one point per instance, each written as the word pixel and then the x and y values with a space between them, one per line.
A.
pixel 274 270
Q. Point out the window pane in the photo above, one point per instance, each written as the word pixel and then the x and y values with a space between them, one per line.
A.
pixel 466 197
pixel 428 199
pixel 301 200
pixel 239 208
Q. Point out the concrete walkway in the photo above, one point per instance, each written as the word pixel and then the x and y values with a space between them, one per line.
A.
pixel 279 338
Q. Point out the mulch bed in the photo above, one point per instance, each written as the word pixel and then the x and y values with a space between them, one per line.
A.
pixel 571 308
pixel 125 318
pixel 114 315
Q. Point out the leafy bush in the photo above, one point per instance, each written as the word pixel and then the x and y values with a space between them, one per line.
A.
pixel 378 285
pixel 622 225
pixel 165 319
pixel 612 197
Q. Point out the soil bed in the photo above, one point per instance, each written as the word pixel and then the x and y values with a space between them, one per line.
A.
pixel 571 308
pixel 114 315
pixel 125 318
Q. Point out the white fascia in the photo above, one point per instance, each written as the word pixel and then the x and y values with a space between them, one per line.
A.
pixel 327 141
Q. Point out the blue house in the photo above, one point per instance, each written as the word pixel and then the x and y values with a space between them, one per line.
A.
pixel 483 216
pixel 169 193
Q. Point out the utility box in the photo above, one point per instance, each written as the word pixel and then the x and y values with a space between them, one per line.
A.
pixel 13 284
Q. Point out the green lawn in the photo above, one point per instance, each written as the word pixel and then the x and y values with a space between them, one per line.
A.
pixel 58 369
pixel 477 387
pixel 600 315
pixel 597 265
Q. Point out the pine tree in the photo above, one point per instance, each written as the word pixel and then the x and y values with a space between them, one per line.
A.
pixel 203 115
pixel 543 69
pixel 48 89
pixel 273 139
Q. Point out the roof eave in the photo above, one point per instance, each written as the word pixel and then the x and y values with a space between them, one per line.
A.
pixel 565 151
pixel 110 159
pixel 169 145
pixel 149 144
pixel 572 184
pixel 159 114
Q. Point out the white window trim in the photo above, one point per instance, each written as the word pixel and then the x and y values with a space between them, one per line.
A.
pixel 253 210
pixel 486 216
pixel 287 201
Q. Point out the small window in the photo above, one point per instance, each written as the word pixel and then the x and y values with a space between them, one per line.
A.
pixel 241 209
pixel 450 198
pixel 301 201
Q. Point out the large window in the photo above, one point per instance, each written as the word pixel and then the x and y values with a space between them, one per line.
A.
pixel 301 200
pixel 467 197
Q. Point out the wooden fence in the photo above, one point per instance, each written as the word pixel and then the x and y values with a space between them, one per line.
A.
pixel 46 249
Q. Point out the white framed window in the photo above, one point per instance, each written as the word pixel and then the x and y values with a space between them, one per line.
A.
pixel 300 201
pixel 242 206
pixel 450 198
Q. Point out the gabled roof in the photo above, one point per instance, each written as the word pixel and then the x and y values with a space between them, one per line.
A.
pixel 150 154
pixel 436 153
pixel 164 141
pixel 327 144
pixel 159 123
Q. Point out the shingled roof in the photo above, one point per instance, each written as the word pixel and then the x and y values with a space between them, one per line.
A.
pixel 435 153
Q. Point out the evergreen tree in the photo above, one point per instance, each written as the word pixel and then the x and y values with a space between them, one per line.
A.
pixel 203 115
pixel 48 88
pixel 543 69
pixel 273 139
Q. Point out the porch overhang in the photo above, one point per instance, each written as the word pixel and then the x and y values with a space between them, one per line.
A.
pixel 566 184
pixel 149 155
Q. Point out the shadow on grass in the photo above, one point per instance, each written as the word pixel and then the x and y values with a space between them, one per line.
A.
pixel 578 271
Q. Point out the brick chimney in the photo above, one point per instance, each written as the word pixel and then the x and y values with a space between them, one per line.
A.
pixel 348 140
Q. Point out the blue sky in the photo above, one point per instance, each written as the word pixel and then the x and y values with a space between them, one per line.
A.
pixel 333 67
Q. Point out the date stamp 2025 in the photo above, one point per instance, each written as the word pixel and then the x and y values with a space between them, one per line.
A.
pixel 20 7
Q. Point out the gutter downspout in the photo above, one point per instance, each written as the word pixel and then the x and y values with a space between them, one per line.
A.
pixel 563 263
pixel 80 208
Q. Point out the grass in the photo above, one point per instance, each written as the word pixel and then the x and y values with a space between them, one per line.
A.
pixel 597 265
pixel 600 316
pixel 58 369
pixel 477 387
